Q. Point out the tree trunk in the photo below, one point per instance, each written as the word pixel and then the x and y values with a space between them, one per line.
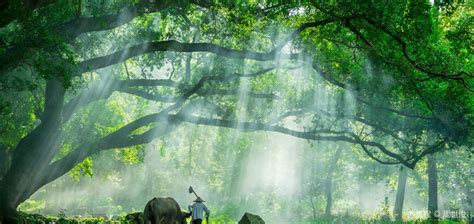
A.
pixel 328 187
pixel 313 207
pixel 432 187
pixel 33 153
pixel 402 179
pixel 328 194
pixel 188 67
pixel 4 161
pixel 310 192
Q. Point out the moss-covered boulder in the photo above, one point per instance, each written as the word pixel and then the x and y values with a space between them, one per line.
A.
pixel 248 218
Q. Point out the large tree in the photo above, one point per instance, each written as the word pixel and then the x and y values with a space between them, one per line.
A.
pixel 395 77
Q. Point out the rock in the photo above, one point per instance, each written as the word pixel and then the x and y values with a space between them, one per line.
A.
pixel 248 218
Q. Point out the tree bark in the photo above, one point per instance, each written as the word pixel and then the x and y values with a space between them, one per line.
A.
pixel 31 162
pixel 174 46
pixel 432 187
pixel 328 187
pixel 324 135
pixel 4 161
pixel 402 179
pixel 313 207
pixel 33 153
pixel 188 67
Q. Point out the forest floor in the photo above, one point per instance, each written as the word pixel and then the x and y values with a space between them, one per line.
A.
pixel 36 218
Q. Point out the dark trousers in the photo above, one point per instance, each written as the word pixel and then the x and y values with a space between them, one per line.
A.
pixel 197 221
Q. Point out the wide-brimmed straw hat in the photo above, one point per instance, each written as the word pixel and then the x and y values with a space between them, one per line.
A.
pixel 199 199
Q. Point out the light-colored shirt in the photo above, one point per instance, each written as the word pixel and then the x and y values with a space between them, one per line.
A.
pixel 197 208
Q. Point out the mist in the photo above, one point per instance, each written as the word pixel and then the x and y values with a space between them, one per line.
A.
pixel 295 112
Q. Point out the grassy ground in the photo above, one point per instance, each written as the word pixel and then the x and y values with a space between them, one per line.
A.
pixel 34 218
pixel 355 220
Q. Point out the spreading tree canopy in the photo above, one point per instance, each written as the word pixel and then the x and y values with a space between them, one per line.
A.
pixel 392 77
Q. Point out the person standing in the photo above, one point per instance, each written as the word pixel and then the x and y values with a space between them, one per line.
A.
pixel 197 209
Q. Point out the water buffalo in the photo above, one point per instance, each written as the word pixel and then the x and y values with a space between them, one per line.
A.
pixel 164 211
pixel 135 218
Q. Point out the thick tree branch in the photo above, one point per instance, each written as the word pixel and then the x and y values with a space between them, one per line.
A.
pixel 82 25
pixel 234 92
pixel 35 150
pixel 372 156
pixel 114 140
pixel 104 88
pixel 301 28
pixel 320 135
pixel 120 138
pixel 149 96
pixel 175 46
pixel 428 151
pixel 13 56
pixel 392 132
pixel 308 25
pixel 415 64
pixel 335 82
pixel 233 76
pixel 203 92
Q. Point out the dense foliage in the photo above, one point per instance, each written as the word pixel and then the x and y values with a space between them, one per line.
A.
pixel 168 93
